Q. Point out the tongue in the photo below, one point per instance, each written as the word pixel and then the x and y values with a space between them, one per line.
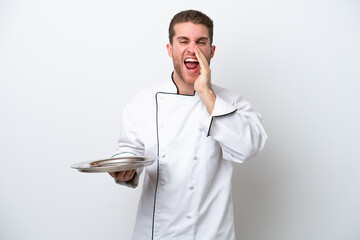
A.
pixel 191 65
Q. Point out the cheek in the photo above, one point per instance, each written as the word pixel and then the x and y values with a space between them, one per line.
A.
pixel 177 55
pixel 178 51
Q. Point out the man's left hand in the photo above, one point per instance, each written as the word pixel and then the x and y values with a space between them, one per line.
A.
pixel 202 84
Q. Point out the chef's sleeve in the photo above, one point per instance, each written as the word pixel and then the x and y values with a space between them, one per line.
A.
pixel 129 143
pixel 237 127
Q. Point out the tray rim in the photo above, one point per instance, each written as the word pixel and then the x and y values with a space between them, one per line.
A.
pixel 130 162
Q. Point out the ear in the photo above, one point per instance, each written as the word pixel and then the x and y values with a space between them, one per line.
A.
pixel 212 50
pixel 169 49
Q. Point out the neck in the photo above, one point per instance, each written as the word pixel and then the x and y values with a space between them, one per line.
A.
pixel 182 86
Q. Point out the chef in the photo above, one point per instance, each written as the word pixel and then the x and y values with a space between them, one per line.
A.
pixel 198 130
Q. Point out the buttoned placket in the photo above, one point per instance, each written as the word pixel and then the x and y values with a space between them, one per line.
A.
pixel 191 186
pixel 158 210
pixel 162 155
pixel 190 216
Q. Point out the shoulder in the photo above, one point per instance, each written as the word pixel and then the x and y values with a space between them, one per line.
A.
pixel 146 97
pixel 148 93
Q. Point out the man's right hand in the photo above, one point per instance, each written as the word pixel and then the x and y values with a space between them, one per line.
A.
pixel 123 176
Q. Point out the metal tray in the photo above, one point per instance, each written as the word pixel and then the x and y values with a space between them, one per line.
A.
pixel 114 164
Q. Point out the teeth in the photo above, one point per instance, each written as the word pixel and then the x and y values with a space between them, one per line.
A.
pixel 191 60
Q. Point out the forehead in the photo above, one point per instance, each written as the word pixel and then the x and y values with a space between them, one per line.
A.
pixel 191 30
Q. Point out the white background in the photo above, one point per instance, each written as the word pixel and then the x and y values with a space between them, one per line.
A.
pixel 68 67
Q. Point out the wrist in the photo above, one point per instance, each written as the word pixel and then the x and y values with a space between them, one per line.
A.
pixel 208 97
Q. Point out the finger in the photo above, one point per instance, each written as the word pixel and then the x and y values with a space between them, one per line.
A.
pixel 113 174
pixel 129 174
pixel 132 173
pixel 198 55
pixel 120 175
pixel 201 58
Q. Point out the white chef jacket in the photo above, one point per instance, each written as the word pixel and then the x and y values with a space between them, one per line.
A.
pixel 186 194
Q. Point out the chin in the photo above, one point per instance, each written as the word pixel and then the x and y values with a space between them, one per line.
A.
pixel 190 78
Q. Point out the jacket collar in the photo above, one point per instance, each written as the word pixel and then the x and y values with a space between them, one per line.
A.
pixel 173 87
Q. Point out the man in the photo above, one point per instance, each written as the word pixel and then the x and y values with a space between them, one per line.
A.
pixel 198 130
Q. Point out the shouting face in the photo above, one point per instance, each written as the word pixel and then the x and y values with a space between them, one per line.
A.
pixel 182 50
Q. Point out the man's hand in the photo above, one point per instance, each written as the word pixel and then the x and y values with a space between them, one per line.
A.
pixel 123 176
pixel 202 84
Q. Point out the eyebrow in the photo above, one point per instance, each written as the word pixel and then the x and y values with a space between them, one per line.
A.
pixel 197 40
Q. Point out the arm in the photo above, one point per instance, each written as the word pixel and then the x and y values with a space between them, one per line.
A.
pixel 237 127
pixel 234 123
pixel 129 144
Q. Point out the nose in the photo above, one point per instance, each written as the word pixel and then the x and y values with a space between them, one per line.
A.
pixel 191 47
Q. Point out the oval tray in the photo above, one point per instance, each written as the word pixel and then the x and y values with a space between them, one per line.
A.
pixel 114 164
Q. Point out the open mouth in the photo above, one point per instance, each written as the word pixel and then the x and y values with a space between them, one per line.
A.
pixel 191 64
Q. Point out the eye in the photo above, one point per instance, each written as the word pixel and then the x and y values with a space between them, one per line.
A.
pixel 201 43
pixel 183 42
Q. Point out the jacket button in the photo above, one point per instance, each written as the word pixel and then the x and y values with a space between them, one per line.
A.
pixel 195 158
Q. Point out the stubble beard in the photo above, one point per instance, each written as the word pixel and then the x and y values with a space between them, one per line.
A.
pixel 179 73
pixel 177 69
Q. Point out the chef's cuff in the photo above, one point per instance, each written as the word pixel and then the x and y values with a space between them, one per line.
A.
pixel 221 109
